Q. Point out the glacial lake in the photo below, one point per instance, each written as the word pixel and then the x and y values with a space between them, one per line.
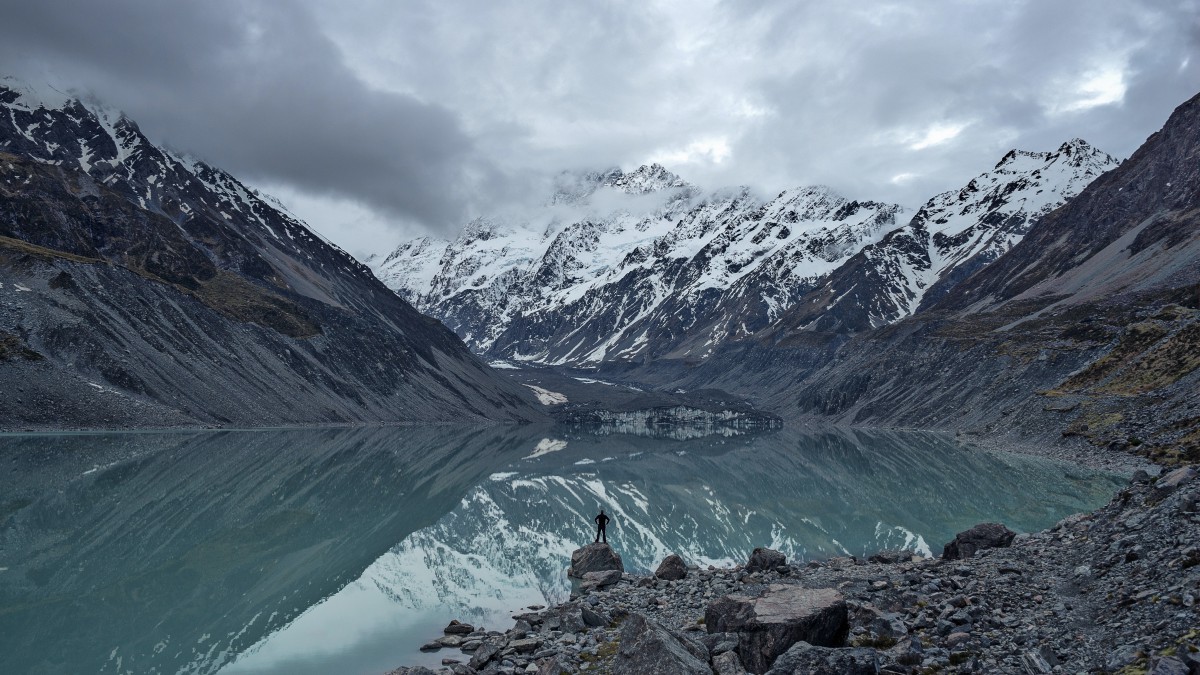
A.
pixel 343 550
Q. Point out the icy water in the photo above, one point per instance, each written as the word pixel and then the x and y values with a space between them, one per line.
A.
pixel 343 550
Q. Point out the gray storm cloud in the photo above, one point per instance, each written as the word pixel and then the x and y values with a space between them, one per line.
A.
pixel 426 112
pixel 257 89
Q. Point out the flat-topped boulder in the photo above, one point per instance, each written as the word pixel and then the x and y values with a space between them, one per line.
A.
pixel 775 617
pixel 594 558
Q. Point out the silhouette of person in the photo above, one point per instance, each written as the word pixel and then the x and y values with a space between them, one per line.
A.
pixel 601 522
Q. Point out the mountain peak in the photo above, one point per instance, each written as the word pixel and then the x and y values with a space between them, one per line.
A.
pixel 1075 145
pixel 646 178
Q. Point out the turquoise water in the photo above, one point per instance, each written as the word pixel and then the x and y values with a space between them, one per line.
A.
pixel 342 550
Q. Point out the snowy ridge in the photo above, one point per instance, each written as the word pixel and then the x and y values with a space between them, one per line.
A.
pixel 628 265
pixel 953 235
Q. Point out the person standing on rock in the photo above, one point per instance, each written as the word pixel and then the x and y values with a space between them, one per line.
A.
pixel 601 522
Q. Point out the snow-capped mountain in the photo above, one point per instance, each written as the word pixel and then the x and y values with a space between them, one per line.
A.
pixel 631 266
pixel 951 237
pixel 155 289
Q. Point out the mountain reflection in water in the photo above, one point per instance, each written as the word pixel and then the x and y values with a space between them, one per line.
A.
pixel 344 549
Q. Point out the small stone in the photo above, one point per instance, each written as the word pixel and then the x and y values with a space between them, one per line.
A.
pixel 1033 663
pixel 431 646
pixel 458 628
pixel 727 663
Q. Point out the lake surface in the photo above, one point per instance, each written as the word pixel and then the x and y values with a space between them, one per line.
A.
pixel 343 550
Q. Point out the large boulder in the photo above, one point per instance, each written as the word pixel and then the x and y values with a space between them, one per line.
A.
pixel 485 653
pixel 763 559
pixel 594 580
pixel 594 558
pixel 806 659
pixel 1170 483
pixel 983 535
pixel 775 617
pixel 671 569
pixel 647 648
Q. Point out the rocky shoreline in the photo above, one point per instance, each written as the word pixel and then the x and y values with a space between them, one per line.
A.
pixel 1112 591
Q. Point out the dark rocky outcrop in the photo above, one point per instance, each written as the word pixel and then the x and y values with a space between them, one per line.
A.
pixel 594 558
pixel 672 568
pixel 1171 482
pixel 805 659
pixel 485 653
pixel 456 627
pixel 983 535
pixel 770 619
pixel 890 557
pixel 647 648
pixel 765 559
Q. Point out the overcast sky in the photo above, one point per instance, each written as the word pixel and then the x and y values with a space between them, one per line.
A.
pixel 378 120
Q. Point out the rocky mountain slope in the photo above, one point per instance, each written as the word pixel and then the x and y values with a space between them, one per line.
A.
pixel 632 266
pixel 141 288
pixel 951 237
pixel 1088 327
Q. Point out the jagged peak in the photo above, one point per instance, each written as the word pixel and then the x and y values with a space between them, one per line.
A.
pixel 1077 150
pixel 646 178
pixel 1075 145
pixel 481 228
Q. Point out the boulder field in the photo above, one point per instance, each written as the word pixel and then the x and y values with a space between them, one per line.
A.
pixel 1112 591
